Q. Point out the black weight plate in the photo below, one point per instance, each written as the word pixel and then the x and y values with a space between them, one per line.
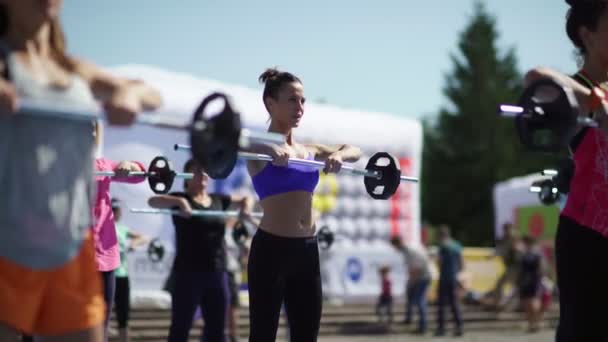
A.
pixel 156 250
pixel 160 175
pixel 549 119
pixel 385 186
pixel 215 140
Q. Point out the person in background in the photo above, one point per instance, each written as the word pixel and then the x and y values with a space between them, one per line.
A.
pixel 49 285
pixel 128 240
pixel 107 253
pixel 199 268
pixel 450 265
pixel 384 306
pixel 529 282
pixel 419 279
pixel 509 248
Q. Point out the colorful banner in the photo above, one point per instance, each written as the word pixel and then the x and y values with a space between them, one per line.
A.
pixel 539 221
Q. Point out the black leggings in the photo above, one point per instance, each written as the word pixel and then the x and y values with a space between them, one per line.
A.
pixel 209 290
pixel 282 268
pixel 582 280
pixel 122 305
pixel 109 285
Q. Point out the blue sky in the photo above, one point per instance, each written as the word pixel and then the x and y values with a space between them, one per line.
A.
pixel 382 55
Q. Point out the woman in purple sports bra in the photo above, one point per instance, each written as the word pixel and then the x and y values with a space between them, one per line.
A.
pixel 284 257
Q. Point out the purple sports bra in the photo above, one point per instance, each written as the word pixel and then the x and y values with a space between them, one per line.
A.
pixel 273 180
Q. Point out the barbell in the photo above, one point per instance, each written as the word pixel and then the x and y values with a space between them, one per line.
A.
pixel 547 116
pixel 548 193
pixel 213 135
pixel 202 213
pixel 325 237
pixel 160 175
pixel 551 189
pixel 240 233
pixel 382 174
pixel 156 250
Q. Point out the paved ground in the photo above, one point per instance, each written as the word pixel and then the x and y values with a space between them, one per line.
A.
pixel 516 336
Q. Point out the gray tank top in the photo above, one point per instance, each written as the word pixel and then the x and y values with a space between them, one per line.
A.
pixel 46 182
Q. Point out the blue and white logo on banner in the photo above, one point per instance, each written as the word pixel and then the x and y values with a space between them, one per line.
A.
pixel 354 269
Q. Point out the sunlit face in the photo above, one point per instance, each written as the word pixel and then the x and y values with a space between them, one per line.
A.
pixel 288 106
pixel 200 178
pixel 596 42
pixel 33 11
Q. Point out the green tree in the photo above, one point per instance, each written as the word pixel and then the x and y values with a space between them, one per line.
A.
pixel 468 147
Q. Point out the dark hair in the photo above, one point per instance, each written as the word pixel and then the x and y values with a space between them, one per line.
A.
pixel 115 205
pixel 584 13
pixel 188 165
pixel 529 240
pixel 384 269
pixel 273 80
pixel 57 41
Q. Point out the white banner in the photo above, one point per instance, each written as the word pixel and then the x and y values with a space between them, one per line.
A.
pixel 144 274
pixel 350 271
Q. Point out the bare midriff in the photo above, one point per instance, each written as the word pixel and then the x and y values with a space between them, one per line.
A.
pixel 288 214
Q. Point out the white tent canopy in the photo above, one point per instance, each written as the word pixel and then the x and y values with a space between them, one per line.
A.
pixel 182 93
pixel 510 195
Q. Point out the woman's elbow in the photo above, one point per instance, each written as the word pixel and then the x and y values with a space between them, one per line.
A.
pixel 358 152
pixel 151 97
pixel 535 74
pixel 152 202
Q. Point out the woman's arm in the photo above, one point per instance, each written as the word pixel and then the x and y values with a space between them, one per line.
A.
pixel 346 153
pixel 122 169
pixel 166 201
pixel 586 101
pixel 122 98
pixel 8 94
pixel 136 239
pixel 581 92
pixel 279 154
pixel 246 204
pixel 334 155
pixel 105 85
pixel 243 201
pixel 170 202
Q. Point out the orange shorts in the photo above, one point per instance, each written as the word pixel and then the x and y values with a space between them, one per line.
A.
pixel 55 302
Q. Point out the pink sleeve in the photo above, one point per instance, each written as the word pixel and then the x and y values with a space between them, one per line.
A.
pixel 132 180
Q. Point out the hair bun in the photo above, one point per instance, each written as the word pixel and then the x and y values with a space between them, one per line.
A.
pixel 270 73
